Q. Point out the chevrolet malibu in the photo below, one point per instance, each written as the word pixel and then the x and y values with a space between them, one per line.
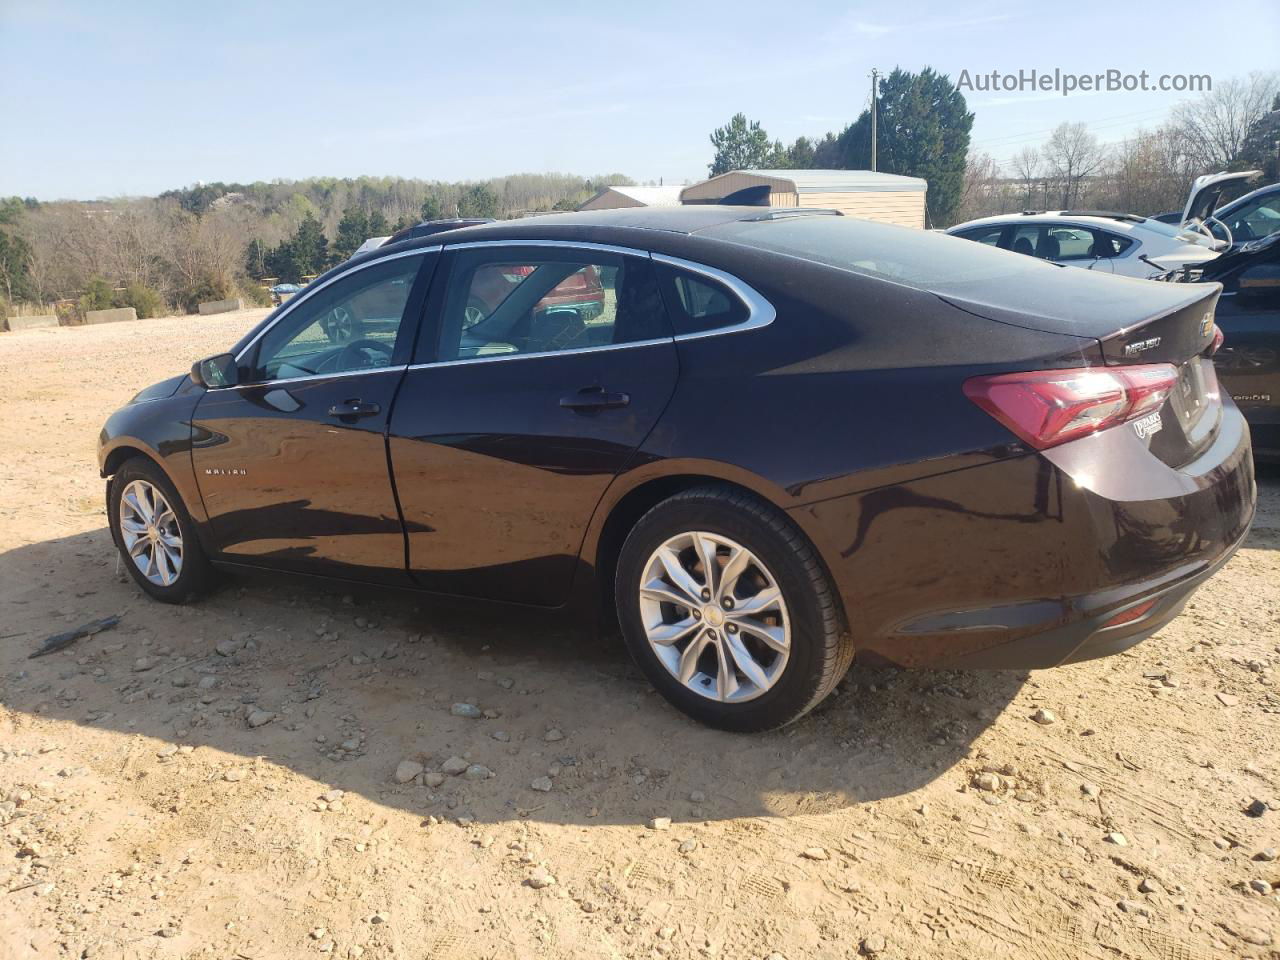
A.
pixel 785 439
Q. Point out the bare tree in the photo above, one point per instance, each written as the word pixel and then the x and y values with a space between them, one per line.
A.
pixel 981 184
pixel 1071 154
pixel 1027 164
pixel 1214 127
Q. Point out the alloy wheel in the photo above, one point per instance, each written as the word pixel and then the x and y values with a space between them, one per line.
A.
pixel 715 617
pixel 152 537
pixel 342 323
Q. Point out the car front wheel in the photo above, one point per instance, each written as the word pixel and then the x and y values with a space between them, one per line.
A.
pixel 154 533
pixel 726 607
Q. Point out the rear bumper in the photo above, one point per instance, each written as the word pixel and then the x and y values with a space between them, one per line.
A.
pixel 1089 637
pixel 1022 563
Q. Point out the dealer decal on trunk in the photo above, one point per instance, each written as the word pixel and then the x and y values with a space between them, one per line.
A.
pixel 1148 425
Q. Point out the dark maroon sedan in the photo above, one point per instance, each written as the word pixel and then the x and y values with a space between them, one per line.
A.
pixel 787 439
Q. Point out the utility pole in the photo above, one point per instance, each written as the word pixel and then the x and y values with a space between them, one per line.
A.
pixel 874 94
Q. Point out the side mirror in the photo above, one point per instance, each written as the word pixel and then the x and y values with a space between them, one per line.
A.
pixel 219 371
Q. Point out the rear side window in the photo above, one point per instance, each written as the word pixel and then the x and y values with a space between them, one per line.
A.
pixel 697 303
pixel 1108 245
pixel 988 235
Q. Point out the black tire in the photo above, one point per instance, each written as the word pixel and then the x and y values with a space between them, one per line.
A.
pixel 196 575
pixel 821 650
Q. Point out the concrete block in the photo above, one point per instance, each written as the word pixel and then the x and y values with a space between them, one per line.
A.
pixel 220 306
pixel 111 316
pixel 31 323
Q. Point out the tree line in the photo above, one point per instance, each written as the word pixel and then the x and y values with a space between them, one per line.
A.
pixel 923 130
pixel 217 240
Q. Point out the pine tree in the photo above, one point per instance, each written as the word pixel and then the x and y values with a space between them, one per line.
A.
pixel 478 200
pixel 922 131
pixel 432 208
pixel 740 145
pixel 353 230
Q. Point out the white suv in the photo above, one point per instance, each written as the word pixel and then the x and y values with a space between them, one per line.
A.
pixel 1119 243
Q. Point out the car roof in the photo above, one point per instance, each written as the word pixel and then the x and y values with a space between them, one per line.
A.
pixel 636 226
pixel 683 219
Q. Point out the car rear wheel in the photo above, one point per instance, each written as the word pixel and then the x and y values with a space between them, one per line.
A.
pixel 154 533
pixel 725 606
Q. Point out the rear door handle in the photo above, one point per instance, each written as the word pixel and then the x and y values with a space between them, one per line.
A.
pixel 589 399
pixel 354 409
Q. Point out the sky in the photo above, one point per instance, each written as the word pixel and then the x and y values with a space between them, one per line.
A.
pixel 113 98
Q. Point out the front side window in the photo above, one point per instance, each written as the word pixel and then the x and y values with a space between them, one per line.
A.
pixel 1256 219
pixel 503 301
pixel 348 326
pixel 1108 245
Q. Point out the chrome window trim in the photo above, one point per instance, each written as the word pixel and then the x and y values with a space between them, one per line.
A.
pixel 299 299
pixel 541 353
pixel 398 368
pixel 760 312
pixel 555 244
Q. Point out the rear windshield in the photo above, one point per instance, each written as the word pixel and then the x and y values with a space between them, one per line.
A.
pixel 917 258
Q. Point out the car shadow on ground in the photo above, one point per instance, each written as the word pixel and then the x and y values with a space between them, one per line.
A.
pixel 356 681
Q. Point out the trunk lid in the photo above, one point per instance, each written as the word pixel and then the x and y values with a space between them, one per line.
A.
pixel 1206 191
pixel 1134 322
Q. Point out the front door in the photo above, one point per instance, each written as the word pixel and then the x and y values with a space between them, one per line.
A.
pixel 545 368
pixel 292 462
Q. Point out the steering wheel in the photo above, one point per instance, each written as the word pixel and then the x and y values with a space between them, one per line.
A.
pixel 355 356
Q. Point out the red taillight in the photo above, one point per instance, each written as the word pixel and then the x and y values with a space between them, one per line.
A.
pixel 1049 407
pixel 1130 615
pixel 1218 337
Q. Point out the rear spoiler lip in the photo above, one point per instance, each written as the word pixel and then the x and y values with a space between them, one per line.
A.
pixel 1018 317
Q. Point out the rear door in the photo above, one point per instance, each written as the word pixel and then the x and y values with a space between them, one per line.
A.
pixel 526 397
pixel 292 462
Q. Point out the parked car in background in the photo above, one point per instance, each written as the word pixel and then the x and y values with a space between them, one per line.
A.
pixel 1251 217
pixel 1104 242
pixel 790 439
pixel 428 228
pixel 1201 211
pixel 283 291
pixel 373 243
pixel 1248 363
pixel 581 292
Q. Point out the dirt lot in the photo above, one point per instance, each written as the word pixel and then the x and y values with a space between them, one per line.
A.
pixel 143 814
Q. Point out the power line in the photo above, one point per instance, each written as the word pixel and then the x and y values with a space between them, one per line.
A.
pixel 1119 119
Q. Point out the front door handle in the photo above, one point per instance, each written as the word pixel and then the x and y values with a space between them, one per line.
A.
pixel 590 399
pixel 354 409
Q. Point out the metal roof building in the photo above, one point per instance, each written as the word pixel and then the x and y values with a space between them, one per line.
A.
pixel 614 198
pixel 886 197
